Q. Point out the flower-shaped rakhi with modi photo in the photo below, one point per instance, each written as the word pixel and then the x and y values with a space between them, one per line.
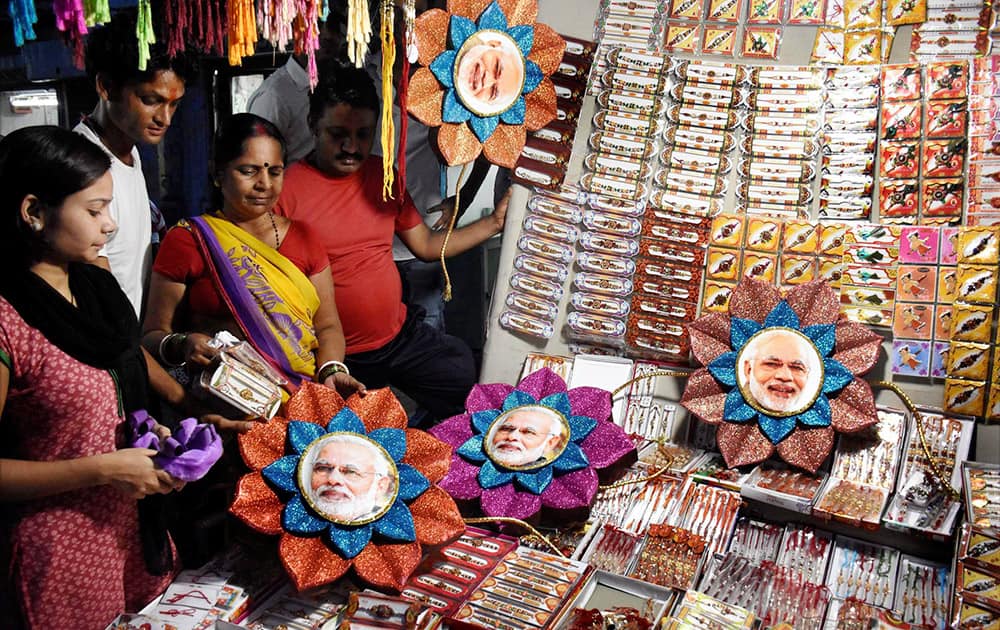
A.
pixel 781 374
pixel 519 449
pixel 486 77
pixel 346 485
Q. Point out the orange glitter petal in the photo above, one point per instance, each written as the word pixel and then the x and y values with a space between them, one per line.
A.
pixel 458 144
pixel 468 8
pixel 425 98
pixel 263 443
pixel 548 49
pixel 388 565
pixel 314 403
pixel 504 146
pixel 429 455
pixel 541 105
pixel 520 11
pixel 436 517
pixel 309 562
pixel 379 409
pixel 257 505
pixel 432 35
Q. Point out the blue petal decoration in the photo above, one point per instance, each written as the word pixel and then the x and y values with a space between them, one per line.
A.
pixel 396 524
pixel 573 458
pixel 723 368
pixel 392 440
pixel 493 17
pixel 350 541
pixel 443 68
pixel 302 434
pixel 740 331
pixel 559 402
pixel 346 420
pixel 536 481
pixel 490 477
pixel 524 35
pixel 533 75
pixel 481 420
pixel 782 315
pixel 736 408
pixel 298 519
pixel 580 427
pixel 824 336
pixel 473 449
pixel 818 415
pixel 460 29
pixel 517 398
pixel 515 115
pixel 484 127
pixel 452 111
pixel 281 472
pixel 835 376
pixel 412 484
pixel 776 429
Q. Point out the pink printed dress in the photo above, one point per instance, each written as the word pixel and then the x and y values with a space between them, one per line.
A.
pixel 76 559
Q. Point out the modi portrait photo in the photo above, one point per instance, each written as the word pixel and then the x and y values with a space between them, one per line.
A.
pixel 779 372
pixel 489 73
pixel 348 478
pixel 527 437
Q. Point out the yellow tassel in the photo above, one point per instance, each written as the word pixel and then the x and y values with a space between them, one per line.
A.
pixel 446 294
pixel 388 131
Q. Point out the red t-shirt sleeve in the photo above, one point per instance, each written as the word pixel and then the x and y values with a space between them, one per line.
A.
pixel 304 248
pixel 178 257
pixel 408 217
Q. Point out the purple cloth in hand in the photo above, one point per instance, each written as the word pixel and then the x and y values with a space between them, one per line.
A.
pixel 187 454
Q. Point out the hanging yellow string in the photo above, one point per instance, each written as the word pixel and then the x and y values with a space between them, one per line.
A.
pixel 359 31
pixel 446 294
pixel 144 32
pixel 242 30
pixel 516 521
pixel 388 130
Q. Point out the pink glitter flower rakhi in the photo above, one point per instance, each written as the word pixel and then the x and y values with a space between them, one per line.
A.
pixel 519 449
pixel 780 374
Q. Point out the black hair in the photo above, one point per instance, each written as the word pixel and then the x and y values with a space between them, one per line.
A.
pixel 50 163
pixel 342 84
pixel 233 133
pixel 113 50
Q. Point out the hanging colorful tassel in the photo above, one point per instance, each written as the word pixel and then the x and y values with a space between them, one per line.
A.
pixel 242 30
pixel 359 31
pixel 388 61
pixel 96 12
pixel 404 124
pixel 144 32
pixel 306 34
pixel 410 34
pixel 22 13
pixel 71 20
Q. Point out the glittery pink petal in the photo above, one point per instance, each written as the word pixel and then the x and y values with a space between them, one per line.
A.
pixel 857 347
pixel 572 490
pixel 753 299
pixel 542 383
pixel 853 409
pixel 507 501
pixel 489 396
pixel 461 481
pixel 606 444
pixel 815 303
pixel 807 448
pixel 455 430
pixel 709 337
pixel 704 397
pixel 742 444
pixel 593 402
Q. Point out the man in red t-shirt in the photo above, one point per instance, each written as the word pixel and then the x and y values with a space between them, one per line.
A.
pixel 337 190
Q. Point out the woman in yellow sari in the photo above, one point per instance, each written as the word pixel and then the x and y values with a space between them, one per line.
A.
pixel 258 275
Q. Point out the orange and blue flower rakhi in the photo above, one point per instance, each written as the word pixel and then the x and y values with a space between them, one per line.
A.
pixel 486 78
pixel 346 485
pixel 537 445
pixel 781 374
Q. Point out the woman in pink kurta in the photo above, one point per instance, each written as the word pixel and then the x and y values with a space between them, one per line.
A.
pixel 70 369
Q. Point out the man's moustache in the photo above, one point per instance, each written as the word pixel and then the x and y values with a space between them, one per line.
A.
pixel 350 156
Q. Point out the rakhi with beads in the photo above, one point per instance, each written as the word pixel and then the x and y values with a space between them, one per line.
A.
pixel 242 31
pixel 388 61
pixel 71 20
pixel 22 13
pixel 359 31
pixel 144 32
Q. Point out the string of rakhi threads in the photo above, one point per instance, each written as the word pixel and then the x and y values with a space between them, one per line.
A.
pixel 144 32
pixel 193 21
pixel 176 24
pixel 242 31
pixel 306 35
pixel 388 61
pixel 71 19
pixel 409 57
pixel 275 19
pixel 446 293
pixel 96 12
pixel 22 13
pixel 359 31
pixel 515 521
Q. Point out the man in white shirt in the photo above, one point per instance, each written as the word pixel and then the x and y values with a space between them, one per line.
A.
pixel 133 106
